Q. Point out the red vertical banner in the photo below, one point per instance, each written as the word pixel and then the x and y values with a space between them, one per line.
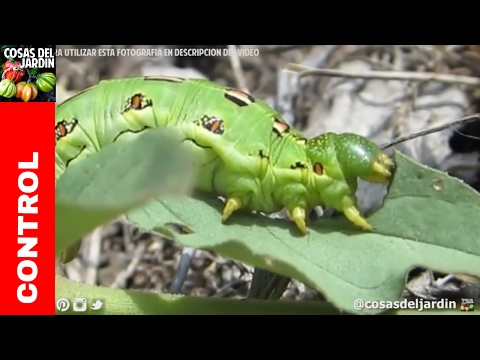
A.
pixel 28 201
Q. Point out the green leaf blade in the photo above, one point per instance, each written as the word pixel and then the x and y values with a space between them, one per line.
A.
pixel 335 258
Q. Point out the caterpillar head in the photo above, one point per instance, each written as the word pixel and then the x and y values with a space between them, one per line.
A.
pixel 356 156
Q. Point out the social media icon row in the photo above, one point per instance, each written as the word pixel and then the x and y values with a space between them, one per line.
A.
pixel 78 304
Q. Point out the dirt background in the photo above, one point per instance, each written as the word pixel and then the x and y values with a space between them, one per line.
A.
pixel 380 107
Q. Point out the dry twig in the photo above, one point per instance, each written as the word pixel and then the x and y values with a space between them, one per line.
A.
pixel 92 255
pixel 237 68
pixel 385 75
pixel 435 129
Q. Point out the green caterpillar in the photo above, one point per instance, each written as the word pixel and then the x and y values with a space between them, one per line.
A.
pixel 244 150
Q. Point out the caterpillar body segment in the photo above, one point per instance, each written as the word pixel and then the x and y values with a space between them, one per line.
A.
pixel 244 150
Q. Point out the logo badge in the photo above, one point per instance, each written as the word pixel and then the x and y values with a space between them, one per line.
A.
pixel 63 304
pixel 467 305
pixel 97 305
pixel 79 304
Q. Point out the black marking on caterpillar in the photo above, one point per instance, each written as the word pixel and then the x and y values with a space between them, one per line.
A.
pixel 136 102
pixel 318 168
pixel 238 97
pixel 298 165
pixel 280 127
pixel 171 79
pixel 131 131
pixel 262 154
pixel 64 127
pixel 213 124
pixel 76 156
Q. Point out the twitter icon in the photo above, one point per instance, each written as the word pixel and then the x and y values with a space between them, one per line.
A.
pixel 97 305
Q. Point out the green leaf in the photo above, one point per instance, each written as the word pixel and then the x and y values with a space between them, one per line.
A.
pixel 119 178
pixel 428 219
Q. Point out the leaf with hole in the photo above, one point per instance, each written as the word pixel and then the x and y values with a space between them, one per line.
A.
pixel 429 219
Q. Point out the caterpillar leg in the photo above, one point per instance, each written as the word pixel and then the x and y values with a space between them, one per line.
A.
pixel 232 204
pixel 238 189
pixel 354 216
pixel 352 213
pixel 293 198
pixel 381 170
pixel 299 216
